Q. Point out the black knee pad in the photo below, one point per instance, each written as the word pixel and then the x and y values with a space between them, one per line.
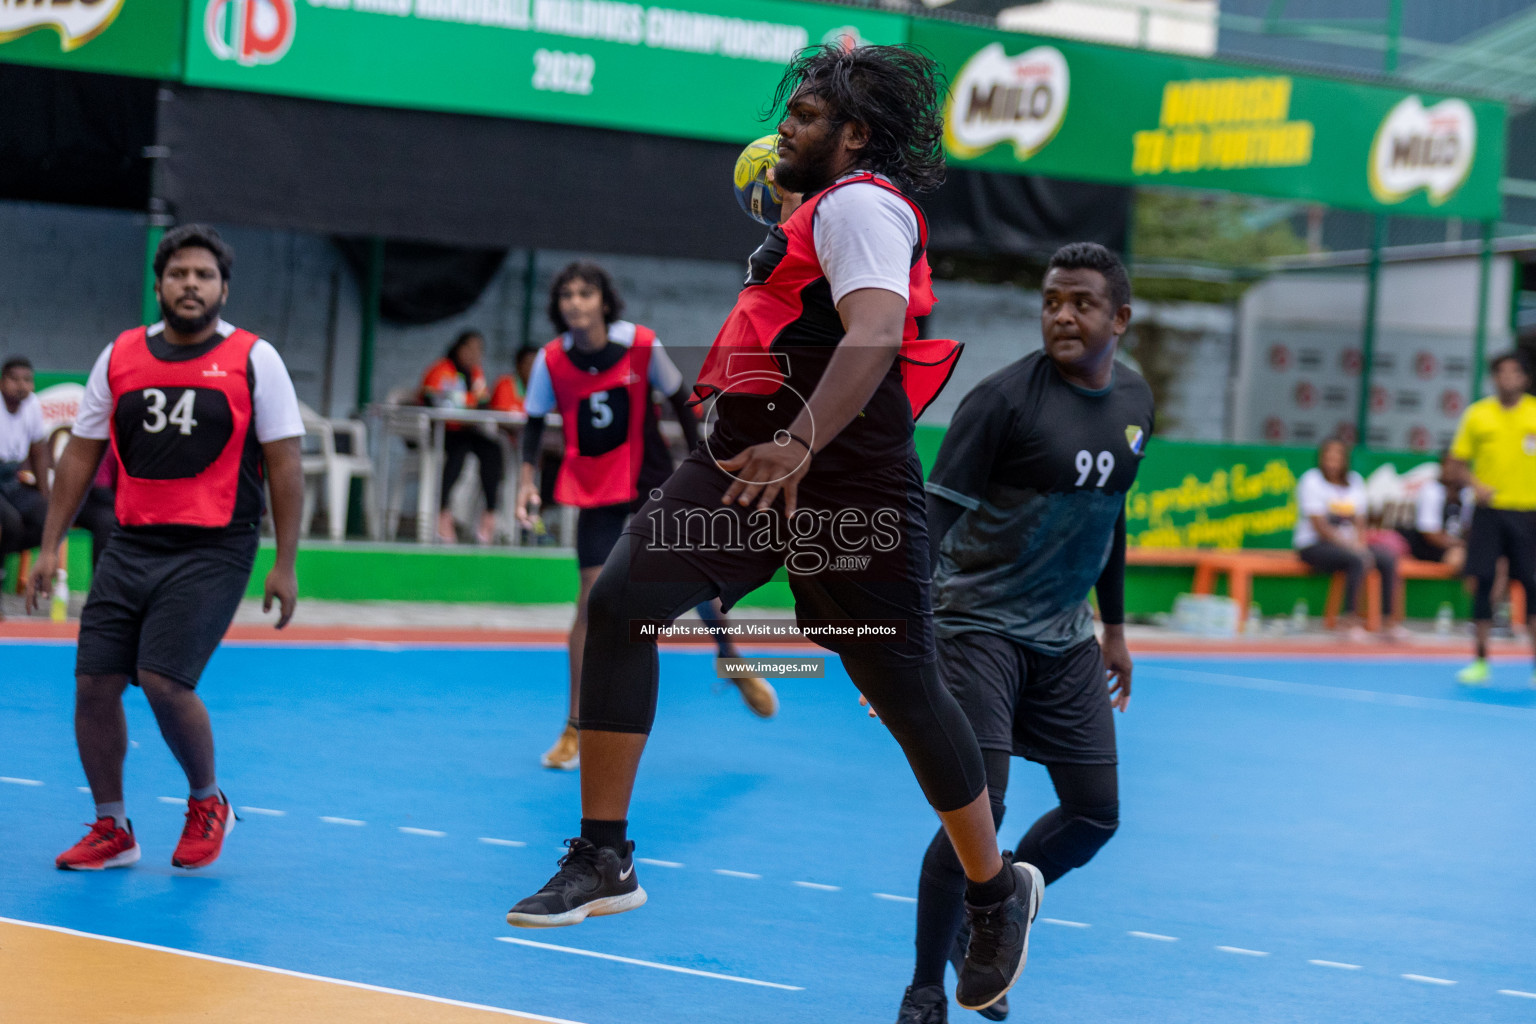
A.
pixel 1081 833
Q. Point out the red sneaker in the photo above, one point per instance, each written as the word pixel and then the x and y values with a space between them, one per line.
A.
pixel 105 846
pixel 208 822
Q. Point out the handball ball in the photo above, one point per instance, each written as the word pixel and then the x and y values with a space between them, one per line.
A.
pixel 758 196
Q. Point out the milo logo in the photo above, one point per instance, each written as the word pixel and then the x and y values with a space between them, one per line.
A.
pixel 997 98
pixel 76 21
pixel 1420 147
pixel 249 32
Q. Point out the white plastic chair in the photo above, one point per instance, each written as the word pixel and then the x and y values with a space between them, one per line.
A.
pixel 334 470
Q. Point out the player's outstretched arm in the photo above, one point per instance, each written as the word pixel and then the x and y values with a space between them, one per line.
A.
pixel 286 477
pixel 873 319
pixel 71 480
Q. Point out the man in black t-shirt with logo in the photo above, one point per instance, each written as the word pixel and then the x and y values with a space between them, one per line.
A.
pixel 1026 506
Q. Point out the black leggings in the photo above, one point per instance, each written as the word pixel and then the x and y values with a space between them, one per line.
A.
pixel 1328 557
pixel 487 450
pixel 1063 838
pixel 22 512
pixel 619 680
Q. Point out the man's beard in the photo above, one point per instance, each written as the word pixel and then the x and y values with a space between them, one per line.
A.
pixel 808 171
pixel 188 324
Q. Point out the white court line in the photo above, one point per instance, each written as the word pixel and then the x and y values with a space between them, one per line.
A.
pixel 172 799
pixel 1064 924
pixel 1240 951
pixel 728 873
pixel 408 830
pixel 1336 964
pixel 269 812
pixel 22 782
pixel 820 887
pixel 501 842
pixel 647 963
pixel 1426 979
pixel 288 974
pixel 340 821
pixel 894 899
pixel 82 789
pixel 659 863
pixel 1516 992
pixel 1400 700
pixel 1154 936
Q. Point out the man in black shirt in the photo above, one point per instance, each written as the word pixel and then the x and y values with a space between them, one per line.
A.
pixel 1026 505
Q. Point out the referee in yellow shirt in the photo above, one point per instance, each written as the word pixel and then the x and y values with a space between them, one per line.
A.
pixel 1496 440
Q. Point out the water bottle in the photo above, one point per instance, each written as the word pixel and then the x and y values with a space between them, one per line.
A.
pixel 58 611
pixel 1299 616
pixel 1445 619
pixel 1255 624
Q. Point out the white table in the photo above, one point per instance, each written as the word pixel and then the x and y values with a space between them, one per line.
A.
pixel 426 425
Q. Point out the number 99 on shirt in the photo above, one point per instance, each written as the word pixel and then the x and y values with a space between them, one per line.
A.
pixel 1086 463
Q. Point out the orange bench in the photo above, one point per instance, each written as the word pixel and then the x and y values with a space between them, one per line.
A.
pixel 1240 567
pixel 1413 569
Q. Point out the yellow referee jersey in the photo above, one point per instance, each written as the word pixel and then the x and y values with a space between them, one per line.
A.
pixel 1500 446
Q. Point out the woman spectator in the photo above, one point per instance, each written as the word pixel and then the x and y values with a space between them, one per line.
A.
pixel 1331 529
pixel 457 381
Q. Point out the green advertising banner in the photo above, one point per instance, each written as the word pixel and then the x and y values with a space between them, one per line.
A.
pixel 120 37
pixel 1193 495
pixel 1033 105
pixel 694 68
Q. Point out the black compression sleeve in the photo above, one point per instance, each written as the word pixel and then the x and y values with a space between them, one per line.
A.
pixel 685 417
pixel 1111 585
pixel 533 439
pixel 942 514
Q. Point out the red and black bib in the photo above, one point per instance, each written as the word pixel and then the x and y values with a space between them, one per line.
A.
pixel 766 311
pixel 602 416
pixel 183 434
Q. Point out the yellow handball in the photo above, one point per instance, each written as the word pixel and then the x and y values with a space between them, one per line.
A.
pixel 758 196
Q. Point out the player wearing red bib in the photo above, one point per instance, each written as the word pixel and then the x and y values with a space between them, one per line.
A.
pixel 201 416
pixel 599 375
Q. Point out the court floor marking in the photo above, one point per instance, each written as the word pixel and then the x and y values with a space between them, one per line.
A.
pixel 1517 993
pixel 888 897
pixel 647 963
pixel 20 782
pixel 287 973
pixel 1401 700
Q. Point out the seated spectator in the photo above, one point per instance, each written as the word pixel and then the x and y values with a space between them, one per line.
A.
pixel 1442 513
pixel 1331 529
pixel 457 381
pixel 25 459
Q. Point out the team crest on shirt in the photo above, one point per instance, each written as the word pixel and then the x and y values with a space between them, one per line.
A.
pixel 1135 438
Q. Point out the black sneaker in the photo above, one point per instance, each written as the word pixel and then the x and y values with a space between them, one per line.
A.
pixel 999 941
pixel 999 1009
pixel 592 881
pixel 926 1005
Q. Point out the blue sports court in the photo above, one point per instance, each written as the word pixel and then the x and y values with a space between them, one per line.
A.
pixel 1302 840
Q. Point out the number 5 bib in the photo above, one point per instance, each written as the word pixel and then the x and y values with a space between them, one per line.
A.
pixel 182 432
pixel 602 416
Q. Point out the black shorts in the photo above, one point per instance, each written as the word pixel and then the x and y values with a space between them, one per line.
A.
pixel 856 551
pixel 162 604
pixel 1050 708
pixel 598 530
pixel 1501 533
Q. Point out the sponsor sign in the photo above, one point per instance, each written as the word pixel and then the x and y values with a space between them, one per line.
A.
pixel 1058 107
pixel 126 37
pixel 693 68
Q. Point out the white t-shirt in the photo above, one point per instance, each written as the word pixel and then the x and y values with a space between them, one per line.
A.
pixel 21 429
pixel 1338 503
pixel 864 237
pixel 1429 510
pixel 664 374
pixel 276 406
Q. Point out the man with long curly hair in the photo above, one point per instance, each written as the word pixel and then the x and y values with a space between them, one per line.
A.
pixel 818 374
